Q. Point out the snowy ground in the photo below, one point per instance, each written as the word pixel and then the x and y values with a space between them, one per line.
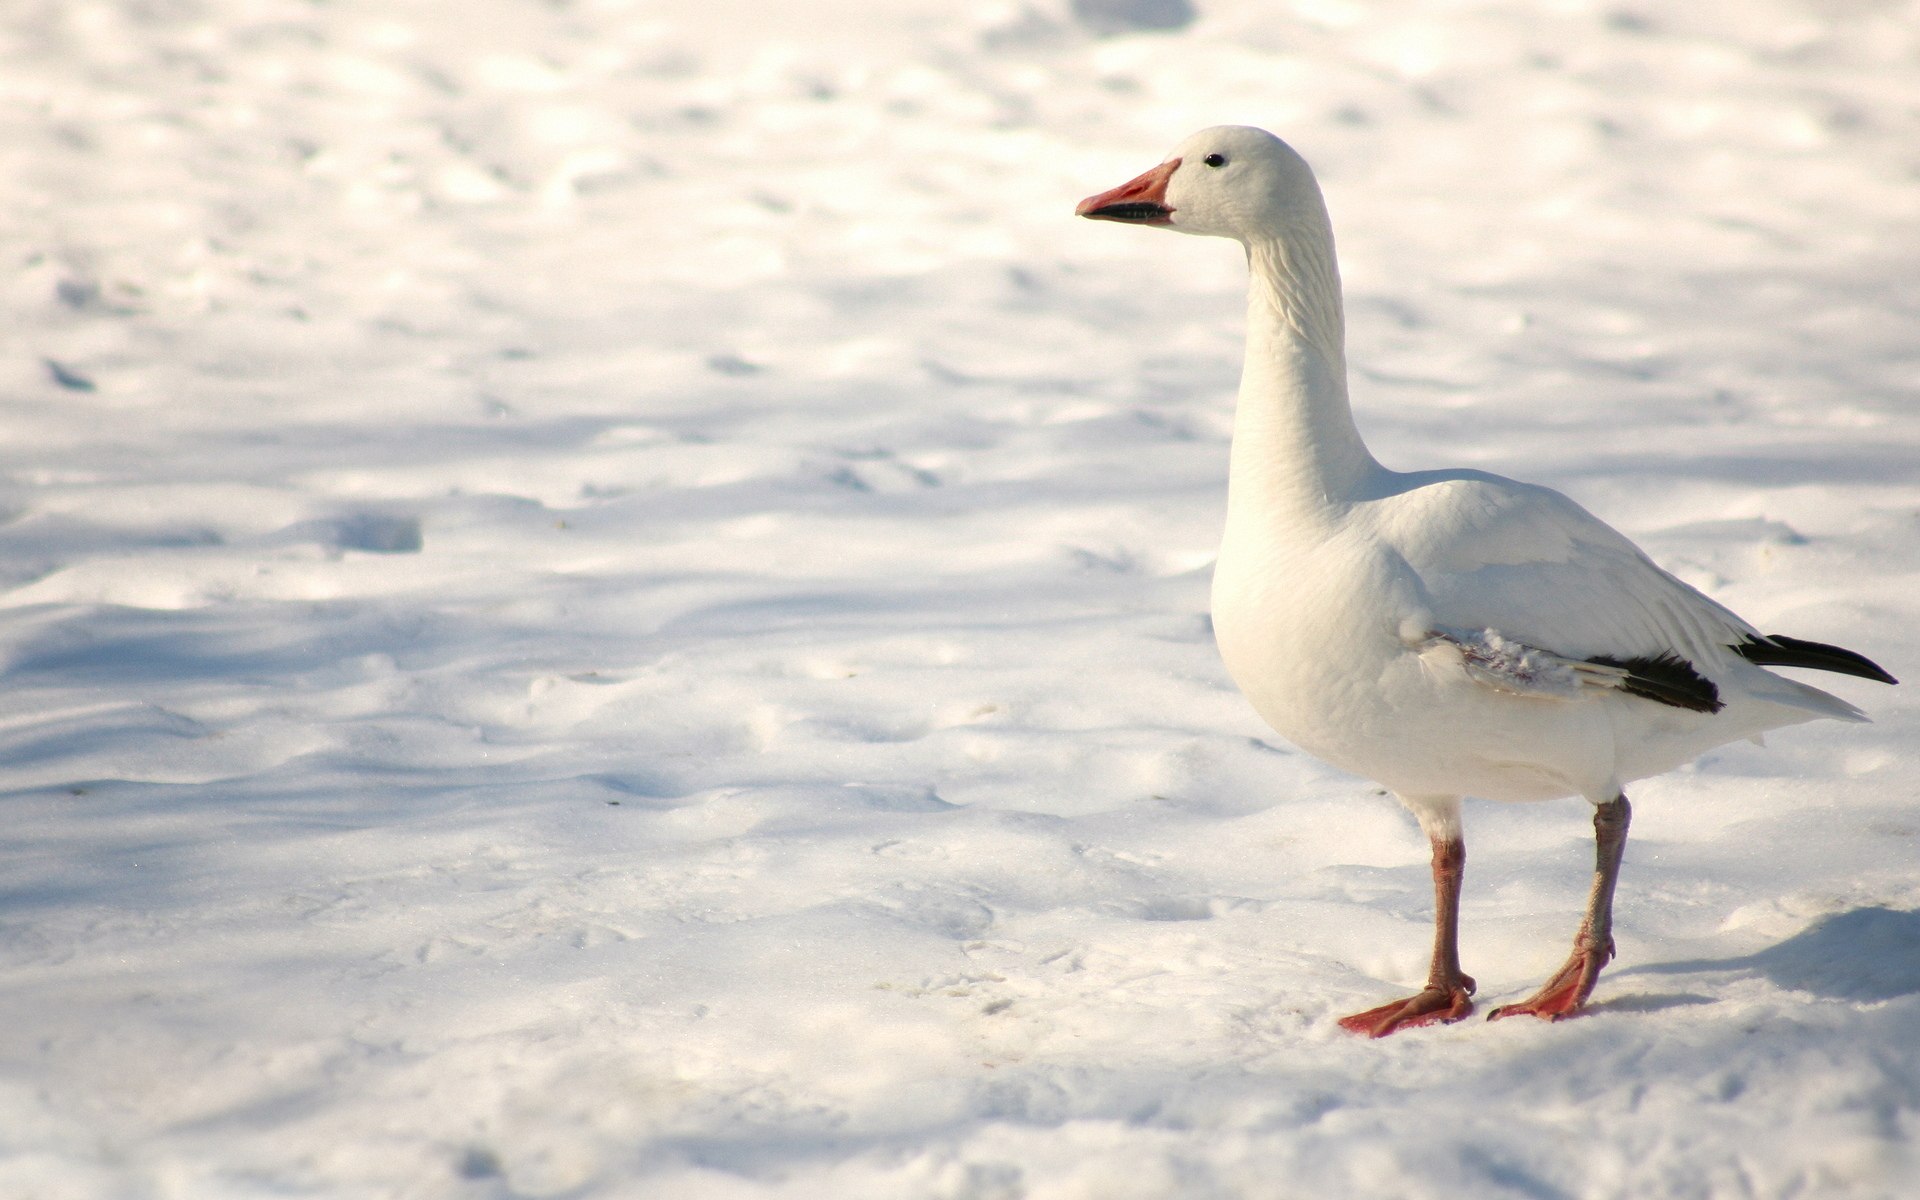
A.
pixel 607 599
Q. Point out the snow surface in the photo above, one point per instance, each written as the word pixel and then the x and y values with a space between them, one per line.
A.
pixel 607 599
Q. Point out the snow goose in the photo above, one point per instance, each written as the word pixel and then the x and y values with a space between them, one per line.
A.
pixel 1447 633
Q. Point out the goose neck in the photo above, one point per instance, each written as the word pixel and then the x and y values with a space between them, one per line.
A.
pixel 1296 450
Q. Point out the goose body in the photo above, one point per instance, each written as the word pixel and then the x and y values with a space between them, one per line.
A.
pixel 1446 633
pixel 1432 633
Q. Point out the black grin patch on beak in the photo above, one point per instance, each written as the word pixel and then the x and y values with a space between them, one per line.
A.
pixel 1131 210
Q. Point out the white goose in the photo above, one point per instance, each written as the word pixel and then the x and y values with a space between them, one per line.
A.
pixel 1447 633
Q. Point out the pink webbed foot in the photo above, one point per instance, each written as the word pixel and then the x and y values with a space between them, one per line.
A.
pixel 1434 1006
pixel 1565 995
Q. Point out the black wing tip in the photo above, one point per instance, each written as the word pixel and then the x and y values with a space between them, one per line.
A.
pixel 1667 678
pixel 1779 650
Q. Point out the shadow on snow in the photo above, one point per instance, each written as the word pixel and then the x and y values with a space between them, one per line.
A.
pixel 1863 955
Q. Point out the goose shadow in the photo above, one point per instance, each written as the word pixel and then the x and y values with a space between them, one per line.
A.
pixel 1864 955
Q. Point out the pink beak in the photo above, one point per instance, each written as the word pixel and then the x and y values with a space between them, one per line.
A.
pixel 1141 201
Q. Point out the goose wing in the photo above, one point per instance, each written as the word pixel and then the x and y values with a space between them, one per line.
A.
pixel 1530 565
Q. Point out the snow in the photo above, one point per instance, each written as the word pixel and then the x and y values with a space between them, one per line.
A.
pixel 607 599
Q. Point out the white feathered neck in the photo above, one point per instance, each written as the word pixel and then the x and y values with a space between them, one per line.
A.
pixel 1297 455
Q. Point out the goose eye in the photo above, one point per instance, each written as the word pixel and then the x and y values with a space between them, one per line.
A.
pixel 1215 160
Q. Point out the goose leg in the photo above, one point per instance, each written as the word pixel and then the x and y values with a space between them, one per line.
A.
pixel 1445 997
pixel 1563 995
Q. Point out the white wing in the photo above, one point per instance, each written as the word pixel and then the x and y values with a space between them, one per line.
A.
pixel 1536 568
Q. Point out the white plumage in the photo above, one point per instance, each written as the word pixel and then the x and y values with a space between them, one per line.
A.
pixel 1447 633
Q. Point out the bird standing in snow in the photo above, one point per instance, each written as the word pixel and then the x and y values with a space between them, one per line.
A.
pixel 1447 633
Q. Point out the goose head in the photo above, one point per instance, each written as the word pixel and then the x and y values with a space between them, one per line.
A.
pixel 1229 181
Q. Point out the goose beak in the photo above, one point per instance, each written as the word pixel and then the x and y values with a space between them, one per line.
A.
pixel 1141 201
